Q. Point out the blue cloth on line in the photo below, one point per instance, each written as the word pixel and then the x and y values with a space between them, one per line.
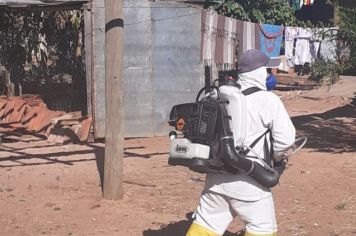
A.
pixel 271 39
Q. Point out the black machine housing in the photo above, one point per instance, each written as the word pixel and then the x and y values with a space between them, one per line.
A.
pixel 200 126
pixel 207 122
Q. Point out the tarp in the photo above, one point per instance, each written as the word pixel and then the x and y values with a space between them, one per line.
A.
pixel 40 3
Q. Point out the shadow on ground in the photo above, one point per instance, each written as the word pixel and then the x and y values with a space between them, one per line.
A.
pixel 21 157
pixel 100 156
pixel 331 131
pixel 45 158
pixel 179 229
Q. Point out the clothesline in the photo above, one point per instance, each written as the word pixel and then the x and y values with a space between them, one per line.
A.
pixel 224 38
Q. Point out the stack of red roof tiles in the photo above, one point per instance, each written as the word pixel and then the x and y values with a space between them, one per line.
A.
pixel 28 114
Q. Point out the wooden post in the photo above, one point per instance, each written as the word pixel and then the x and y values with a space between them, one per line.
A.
pixel 114 130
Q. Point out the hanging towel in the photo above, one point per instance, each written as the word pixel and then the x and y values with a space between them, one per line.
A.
pixel 219 40
pixel 248 36
pixel 208 37
pixel 226 42
pixel 271 39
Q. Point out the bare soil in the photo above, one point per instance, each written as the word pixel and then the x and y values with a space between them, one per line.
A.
pixel 47 189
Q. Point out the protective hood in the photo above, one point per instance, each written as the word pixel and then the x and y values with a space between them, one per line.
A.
pixel 255 78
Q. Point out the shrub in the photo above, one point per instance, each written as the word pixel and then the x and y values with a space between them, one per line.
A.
pixel 326 71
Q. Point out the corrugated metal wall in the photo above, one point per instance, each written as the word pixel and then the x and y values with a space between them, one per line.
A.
pixel 177 73
pixel 138 69
pixel 161 65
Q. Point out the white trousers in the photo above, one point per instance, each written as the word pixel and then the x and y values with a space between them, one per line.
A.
pixel 216 211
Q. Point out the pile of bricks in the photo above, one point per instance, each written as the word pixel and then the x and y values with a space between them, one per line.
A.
pixel 28 114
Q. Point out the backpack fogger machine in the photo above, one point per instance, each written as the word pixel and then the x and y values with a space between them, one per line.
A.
pixel 208 135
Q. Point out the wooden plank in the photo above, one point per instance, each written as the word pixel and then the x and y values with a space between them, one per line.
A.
pixel 69 122
pixel 67 116
pixel 83 133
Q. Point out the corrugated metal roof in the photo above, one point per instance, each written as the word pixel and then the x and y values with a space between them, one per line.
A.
pixel 40 3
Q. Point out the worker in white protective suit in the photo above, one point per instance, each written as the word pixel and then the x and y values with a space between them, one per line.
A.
pixel 238 195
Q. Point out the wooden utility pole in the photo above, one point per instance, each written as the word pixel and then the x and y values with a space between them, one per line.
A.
pixel 114 127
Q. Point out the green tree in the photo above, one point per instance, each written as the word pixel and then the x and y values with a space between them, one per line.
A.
pixel 259 11
pixel 347 34
pixel 41 46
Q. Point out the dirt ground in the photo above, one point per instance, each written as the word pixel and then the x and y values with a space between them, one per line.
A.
pixel 56 190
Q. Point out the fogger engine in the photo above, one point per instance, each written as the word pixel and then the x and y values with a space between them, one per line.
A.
pixel 197 122
pixel 204 142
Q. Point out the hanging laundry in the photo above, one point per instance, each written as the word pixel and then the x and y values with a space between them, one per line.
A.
pixel 209 21
pixel 248 36
pixel 308 2
pixel 219 40
pixel 328 45
pixel 296 4
pixel 315 40
pixel 302 47
pixel 307 46
pixel 271 39
pixel 291 33
pixel 226 42
pixel 219 45
pixel 283 66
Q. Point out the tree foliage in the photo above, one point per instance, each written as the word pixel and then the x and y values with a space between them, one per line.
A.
pixel 347 24
pixel 43 53
pixel 259 11
pixel 347 34
pixel 41 46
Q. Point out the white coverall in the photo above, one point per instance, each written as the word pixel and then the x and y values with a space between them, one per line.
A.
pixel 226 195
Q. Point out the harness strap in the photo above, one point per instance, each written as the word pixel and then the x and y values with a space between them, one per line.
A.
pixel 267 152
pixel 250 91
pixel 270 152
pixel 256 141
